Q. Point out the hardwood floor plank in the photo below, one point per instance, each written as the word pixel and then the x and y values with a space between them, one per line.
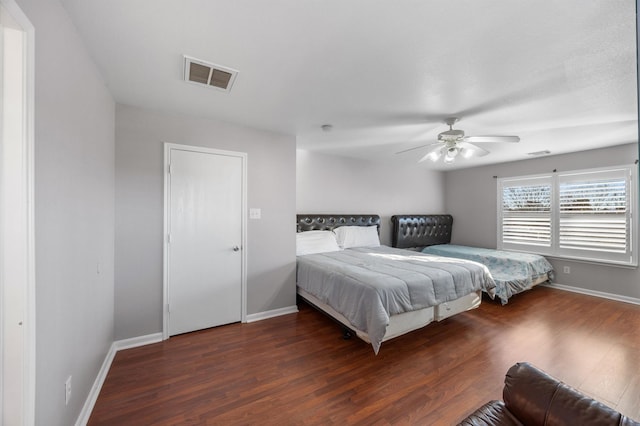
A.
pixel 629 404
pixel 297 370
pixel 610 378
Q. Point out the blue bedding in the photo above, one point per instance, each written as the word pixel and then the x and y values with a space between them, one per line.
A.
pixel 513 272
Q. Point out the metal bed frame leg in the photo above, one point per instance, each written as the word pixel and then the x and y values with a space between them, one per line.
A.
pixel 346 333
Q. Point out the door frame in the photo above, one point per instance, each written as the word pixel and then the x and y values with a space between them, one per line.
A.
pixel 27 275
pixel 168 147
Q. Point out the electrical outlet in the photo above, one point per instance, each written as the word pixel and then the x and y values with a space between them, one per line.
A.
pixel 567 269
pixel 67 390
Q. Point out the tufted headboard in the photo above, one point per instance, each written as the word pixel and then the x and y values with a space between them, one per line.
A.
pixel 328 222
pixel 421 230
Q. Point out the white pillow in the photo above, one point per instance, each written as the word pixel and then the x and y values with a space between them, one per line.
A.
pixel 310 242
pixel 357 236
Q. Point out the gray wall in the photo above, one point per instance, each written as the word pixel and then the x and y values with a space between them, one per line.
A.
pixel 140 138
pixel 331 184
pixel 74 214
pixel 471 199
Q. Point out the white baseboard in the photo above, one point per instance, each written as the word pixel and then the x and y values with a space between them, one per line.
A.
pixel 134 342
pixel 602 294
pixel 273 313
pixel 116 346
pixel 85 413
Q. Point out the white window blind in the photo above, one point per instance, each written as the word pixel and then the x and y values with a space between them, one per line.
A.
pixel 526 212
pixel 584 214
pixel 594 214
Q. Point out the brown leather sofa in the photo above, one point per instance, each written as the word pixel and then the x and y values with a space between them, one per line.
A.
pixel 532 397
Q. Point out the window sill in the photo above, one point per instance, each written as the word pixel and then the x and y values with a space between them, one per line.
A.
pixel 594 262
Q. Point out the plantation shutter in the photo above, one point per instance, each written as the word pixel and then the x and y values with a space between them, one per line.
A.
pixel 585 215
pixel 594 219
pixel 525 209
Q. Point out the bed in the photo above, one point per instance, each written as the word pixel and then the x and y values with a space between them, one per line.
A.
pixel 380 292
pixel 513 272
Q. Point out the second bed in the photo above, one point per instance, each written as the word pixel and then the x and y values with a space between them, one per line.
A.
pixel 513 272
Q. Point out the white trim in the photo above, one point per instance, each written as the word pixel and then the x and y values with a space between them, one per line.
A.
pixel 29 319
pixel 135 342
pixel 589 262
pixel 601 294
pixel 272 313
pixel 116 346
pixel 165 249
pixel 90 402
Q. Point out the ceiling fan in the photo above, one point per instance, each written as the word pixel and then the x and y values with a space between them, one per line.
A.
pixel 453 143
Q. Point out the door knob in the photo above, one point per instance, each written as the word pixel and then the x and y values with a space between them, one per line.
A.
pixel 236 248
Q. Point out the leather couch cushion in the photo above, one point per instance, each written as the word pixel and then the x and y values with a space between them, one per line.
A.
pixel 491 413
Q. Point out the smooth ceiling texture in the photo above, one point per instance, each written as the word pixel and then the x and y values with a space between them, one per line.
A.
pixel 385 74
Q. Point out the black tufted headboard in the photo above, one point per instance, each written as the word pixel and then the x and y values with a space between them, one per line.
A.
pixel 328 222
pixel 421 230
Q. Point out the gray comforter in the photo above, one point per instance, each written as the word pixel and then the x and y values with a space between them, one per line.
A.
pixel 368 285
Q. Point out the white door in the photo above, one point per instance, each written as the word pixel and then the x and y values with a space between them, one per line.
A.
pixel 205 238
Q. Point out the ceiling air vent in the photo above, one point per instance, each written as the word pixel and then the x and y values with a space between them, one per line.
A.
pixel 538 153
pixel 207 74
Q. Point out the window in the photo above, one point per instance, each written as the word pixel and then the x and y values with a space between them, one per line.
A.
pixel 585 214
pixel 526 212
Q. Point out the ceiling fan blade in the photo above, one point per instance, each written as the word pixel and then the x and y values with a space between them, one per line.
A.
pixel 434 152
pixel 548 82
pixel 477 139
pixel 469 150
pixel 411 149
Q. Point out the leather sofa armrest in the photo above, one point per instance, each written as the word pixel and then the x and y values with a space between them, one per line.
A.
pixel 572 407
pixel 528 393
pixel 536 398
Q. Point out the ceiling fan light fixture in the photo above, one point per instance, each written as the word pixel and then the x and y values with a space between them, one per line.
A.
pixel 466 153
pixel 435 155
pixel 432 155
pixel 453 143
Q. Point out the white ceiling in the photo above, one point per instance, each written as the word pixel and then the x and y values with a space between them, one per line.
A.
pixel 385 74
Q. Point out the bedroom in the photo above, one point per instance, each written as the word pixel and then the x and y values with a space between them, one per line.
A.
pixel 99 200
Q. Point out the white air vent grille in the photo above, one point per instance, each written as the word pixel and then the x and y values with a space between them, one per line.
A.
pixel 207 74
pixel 537 153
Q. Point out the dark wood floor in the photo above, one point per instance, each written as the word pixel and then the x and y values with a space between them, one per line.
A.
pixel 296 369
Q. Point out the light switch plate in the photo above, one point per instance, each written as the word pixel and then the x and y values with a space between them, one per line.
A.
pixel 255 213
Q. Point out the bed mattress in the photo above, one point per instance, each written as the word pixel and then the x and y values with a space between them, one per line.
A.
pixel 513 272
pixel 369 285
